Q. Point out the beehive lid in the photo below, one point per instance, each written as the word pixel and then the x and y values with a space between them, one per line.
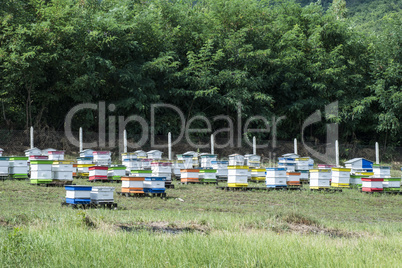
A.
pixel 237 167
pixel 341 169
pixel 63 162
pixel 18 158
pixel 372 179
pixel 117 167
pixel 392 179
pixel 275 169
pixel 323 170
pixel 141 171
pixel 155 178
pixel 41 162
pixel 78 187
pixel 207 170
pixel 103 189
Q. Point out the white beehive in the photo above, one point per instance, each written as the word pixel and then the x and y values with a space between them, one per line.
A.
pixel 102 158
pixel 154 184
pixel 76 194
pixel 116 172
pixel 132 164
pixel 252 160
pixel 237 176
pixel 340 177
pixel 4 164
pixel 320 178
pixel 275 177
pixel 382 171
pixel 101 194
pixel 258 173
pixel 56 155
pixel 146 163
pixel 1 152
pixel 221 168
pixel 33 151
pixel 98 171
pixel 154 154
pixel 206 160
pixel 392 184
pixel 63 170
pixel 177 166
pixel 302 163
pixel 140 154
pixel 18 167
pixel 236 160
pixel 47 150
pixel 372 184
pixel 85 160
pixel 87 153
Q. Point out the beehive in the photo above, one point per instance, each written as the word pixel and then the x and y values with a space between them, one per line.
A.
pixel 275 177
pixel 62 170
pixel 207 175
pixel 132 184
pixel 206 160
pixel 102 158
pixel 115 172
pixel 1 152
pixel 252 160
pixel 221 168
pixel 162 169
pixel 87 153
pixel 356 178
pixel 100 194
pixel 381 171
pixel 154 154
pixel 323 166
pixel 359 164
pixel 154 184
pixel 236 160
pixel 18 168
pixel 33 151
pixel 177 166
pixel 303 163
pixel 392 184
pixel 237 176
pixel 83 169
pixel 38 157
pixel 88 160
pixel 78 194
pixel 98 173
pixel 340 177
pixel 47 151
pixel 41 171
pixel 293 178
pixel 128 156
pixel 258 174
pixel 146 163
pixel 303 175
pixel 56 155
pixel 290 167
pixel 320 178
pixel 189 175
pixel 372 184
pixel 133 164
pixel 140 154
pixel 141 173
pixel 4 163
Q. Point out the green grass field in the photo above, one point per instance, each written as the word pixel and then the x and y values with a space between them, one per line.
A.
pixel 209 228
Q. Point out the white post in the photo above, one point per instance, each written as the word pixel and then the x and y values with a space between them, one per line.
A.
pixel 254 145
pixel 32 138
pixel 337 153
pixel 212 143
pixel 295 146
pixel 377 153
pixel 170 145
pixel 81 149
pixel 125 141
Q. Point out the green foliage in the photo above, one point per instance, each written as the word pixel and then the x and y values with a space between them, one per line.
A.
pixel 273 57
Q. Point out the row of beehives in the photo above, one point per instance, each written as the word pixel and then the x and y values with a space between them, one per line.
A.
pixel 83 194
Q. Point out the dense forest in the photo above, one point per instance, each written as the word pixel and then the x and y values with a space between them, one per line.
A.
pixel 274 57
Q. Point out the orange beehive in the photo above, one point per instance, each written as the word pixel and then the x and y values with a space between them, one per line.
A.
pixel 132 184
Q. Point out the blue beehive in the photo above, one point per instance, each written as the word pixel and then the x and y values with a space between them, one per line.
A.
pixel 154 185
pixel 78 194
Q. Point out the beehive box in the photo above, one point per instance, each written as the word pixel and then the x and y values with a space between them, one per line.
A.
pixel 87 153
pixel 63 170
pixel 116 172
pixel 392 184
pixel 221 168
pixel 4 164
pixel 1 152
pixel 340 177
pixel 101 194
pixel 236 160
pixel 207 175
pixel 206 160
pixel 133 164
pixel 189 175
pixel 286 160
pixel 41 171
pixel 252 160
pixel 320 178
pixel 85 160
pixel 372 184
pixel 128 156
pixel 56 155
pixel 237 176
pixel 317 184
pixel 276 181
pixel 18 167
pixel 258 174
pixel 290 167
pixel 102 158
pixel 161 167
pixel 275 172
pixel 33 151
pixel 140 154
pixel 303 175
pixel 83 169
pixel 78 194
pixel 293 178
pixel 154 185
pixel 98 173
pixel 146 163
pixel 177 166
pixel 38 157
pixel 154 154
pixel 140 173
pixel 356 177
pixel 130 184
pixel 323 166
pixel 303 163
pixel 381 171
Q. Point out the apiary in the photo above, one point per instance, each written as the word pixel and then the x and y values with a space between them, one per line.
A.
pixel 340 177
pixel 237 176
pixel 18 167
pixel 189 175
pixel 78 194
pixel 102 194
pixel 115 172
pixel 372 184
pixel 132 184
pixel 275 177
pixel 98 173
pixel 62 170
